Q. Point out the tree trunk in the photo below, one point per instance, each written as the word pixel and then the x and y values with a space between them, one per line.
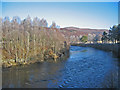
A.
pixel 27 45
pixel 16 57
pixel 34 46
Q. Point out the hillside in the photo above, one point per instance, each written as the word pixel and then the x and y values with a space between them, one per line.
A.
pixel 68 31
pixel 74 34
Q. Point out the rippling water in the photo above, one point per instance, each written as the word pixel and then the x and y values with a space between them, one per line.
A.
pixel 85 68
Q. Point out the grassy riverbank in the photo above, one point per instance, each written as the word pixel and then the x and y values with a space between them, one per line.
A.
pixel 115 48
pixel 62 55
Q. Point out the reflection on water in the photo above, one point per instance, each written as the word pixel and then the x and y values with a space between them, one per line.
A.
pixel 85 68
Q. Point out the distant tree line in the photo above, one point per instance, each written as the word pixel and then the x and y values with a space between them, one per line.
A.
pixel 29 40
pixel 113 35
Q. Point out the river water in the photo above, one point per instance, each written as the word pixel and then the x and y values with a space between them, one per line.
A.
pixel 85 68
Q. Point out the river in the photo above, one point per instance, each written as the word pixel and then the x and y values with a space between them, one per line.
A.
pixel 85 68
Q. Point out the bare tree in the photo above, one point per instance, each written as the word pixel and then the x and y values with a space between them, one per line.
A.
pixel 43 23
pixel 27 39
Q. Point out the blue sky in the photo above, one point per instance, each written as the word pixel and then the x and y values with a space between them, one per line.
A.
pixel 78 14
pixel 60 0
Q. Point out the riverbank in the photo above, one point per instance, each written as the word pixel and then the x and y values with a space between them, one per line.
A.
pixel 115 48
pixel 63 54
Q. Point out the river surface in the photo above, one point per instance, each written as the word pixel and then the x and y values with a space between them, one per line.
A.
pixel 85 68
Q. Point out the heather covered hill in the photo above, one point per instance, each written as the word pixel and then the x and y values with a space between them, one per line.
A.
pixel 75 34
pixel 81 31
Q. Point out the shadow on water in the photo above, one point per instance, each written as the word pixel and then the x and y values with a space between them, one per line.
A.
pixel 36 75
pixel 111 80
pixel 85 68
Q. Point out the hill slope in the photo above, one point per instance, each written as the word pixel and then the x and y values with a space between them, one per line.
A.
pixel 74 34
pixel 68 31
